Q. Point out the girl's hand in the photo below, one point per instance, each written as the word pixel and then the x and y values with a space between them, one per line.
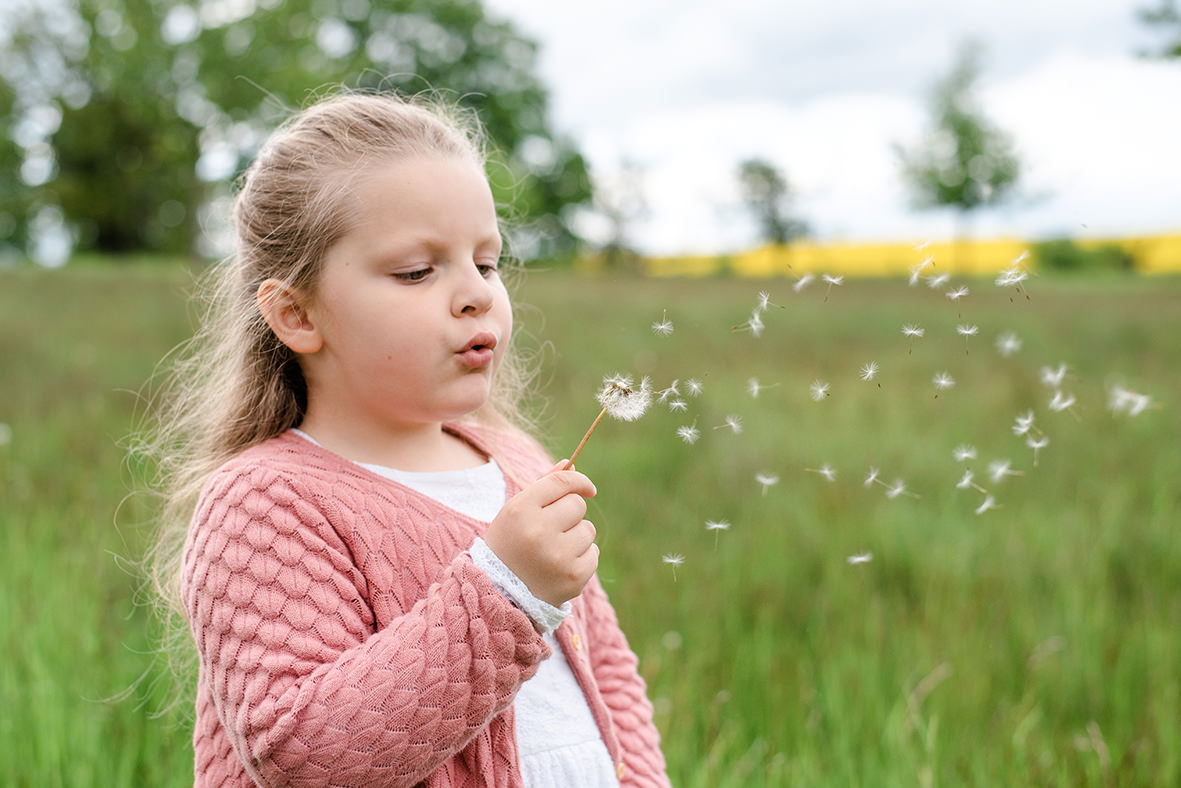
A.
pixel 542 537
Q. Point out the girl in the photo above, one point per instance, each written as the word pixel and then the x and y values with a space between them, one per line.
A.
pixel 387 581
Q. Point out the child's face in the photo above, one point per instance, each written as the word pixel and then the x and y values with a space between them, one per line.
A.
pixel 410 307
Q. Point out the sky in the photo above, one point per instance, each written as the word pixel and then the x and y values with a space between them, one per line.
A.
pixel 823 89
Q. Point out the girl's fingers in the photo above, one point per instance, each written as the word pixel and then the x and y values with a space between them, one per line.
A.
pixel 558 484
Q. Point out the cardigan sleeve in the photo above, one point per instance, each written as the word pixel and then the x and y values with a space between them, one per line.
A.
pixel 616 672
pixel 307 691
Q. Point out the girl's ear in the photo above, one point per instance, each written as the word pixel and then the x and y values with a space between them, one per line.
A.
pixel 282 307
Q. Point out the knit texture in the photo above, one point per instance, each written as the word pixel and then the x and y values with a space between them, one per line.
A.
pixel 345 637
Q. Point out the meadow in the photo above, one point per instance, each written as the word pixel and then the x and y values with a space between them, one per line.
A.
pixel 1033 644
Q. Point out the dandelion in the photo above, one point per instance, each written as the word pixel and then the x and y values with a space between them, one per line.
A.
pixel 872 477
pixel 753 387
pixel 964 452
pixel 859 558
pixel 966 481
pixel 674 560
pixel 732 423
pixel 1023 424
pixel 938 280
pixel 717 526
pixel 693 387
pixel 1037 444
pixel 678 406
pixel 803 282
pixel 957 294
pixel 1008 343
pixel 869 371
pixel 766 480
pixel 1060 402
pixel 755 325
pixel 1014 274
pixel 818 390
pixel 664 327
pixel 689 433
pixel 912 331
pixel 966 330
pixel 621 400
pixel 826 470
pixel 989 503
pixel 1053 376
pixel 898 488
pixel 765 301
pixel 832 280
pixel 671 391
pixel 1122 400
pixel 999 469
pixel 942 381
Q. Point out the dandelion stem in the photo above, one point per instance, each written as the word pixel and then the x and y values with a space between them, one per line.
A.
pixel 586 437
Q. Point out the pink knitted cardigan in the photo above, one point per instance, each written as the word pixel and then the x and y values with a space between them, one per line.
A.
pixel 345 637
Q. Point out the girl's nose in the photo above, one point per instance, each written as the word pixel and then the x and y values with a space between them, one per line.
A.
pixel 474 294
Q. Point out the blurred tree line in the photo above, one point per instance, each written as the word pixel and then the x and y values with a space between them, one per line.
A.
pixel 120 120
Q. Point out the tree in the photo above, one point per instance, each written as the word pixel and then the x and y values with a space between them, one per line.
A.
pixel 964 162
pixel 767 194
pixel 154 93
pixel 1167 18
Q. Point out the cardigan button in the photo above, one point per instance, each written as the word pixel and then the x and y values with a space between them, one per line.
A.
pixel 576 641
pixel 619 770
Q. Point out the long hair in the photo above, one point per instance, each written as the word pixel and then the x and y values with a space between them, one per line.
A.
pixel 234 384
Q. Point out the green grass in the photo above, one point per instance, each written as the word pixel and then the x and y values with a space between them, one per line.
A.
pixel 1033 645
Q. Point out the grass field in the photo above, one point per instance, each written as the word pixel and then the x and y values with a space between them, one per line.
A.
pixel 1035 644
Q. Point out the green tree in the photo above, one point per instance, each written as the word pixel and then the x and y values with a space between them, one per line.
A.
pixel 153 93
pixel 1166 17
pixel 964 162
pixel 767 195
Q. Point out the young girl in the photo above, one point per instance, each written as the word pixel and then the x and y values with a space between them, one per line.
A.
pixel 388 582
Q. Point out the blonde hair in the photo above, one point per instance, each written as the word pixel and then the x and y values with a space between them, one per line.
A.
pixel 234 384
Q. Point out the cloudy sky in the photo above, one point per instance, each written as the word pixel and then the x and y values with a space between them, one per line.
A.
pixel 822 88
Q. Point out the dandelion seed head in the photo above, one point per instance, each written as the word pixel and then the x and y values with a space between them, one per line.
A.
pixel 964 452
pixel 662 327
pixel 689 434
pixel 859 558
pixel 622 400
pixel 967 330
pixel 942 380
pixel 818 390
pixel 693 387
pixel 869 370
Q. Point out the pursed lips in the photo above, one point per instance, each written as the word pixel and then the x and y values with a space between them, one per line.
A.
pixel 478 352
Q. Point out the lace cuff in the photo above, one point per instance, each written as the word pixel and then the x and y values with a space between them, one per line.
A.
pixel 545 616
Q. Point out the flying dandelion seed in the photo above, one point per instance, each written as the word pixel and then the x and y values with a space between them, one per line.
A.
pixel 999 469
pixel 765 301
pixel 957 294
pixel 671 391
pixel 621 401
pixel 755 325
pixel 898 488
pixel 717 526
pixel 677 406
pixel 1037 444
pixel 967 481
pixel 989 503
pixel 1014 274
pixel 1008 343
pixel 803 282
pixel 859 558
pixel 1060 402
pixel 966 330
pixel 674 560
pixel 832 281
pixel 733 423
pixel 912 331
pixel 915 274
pixel 938 281
pixel 921 246
pixel 826 470
pixel 964 452
pixel 872 477
pixel 818 390
pixel 1052 377
pixel 1122 400
pixel 942 381
pixel 689 434
pixel 766 480
pixel 1023 423
pixel 664 327
pixel 753 387
pixel 869 371
pixel 693 387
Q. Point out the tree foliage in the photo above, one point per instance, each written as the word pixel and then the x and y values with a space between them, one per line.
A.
pixel 161 102
pixel 1166 17
pixel 767 194
pixel 964 162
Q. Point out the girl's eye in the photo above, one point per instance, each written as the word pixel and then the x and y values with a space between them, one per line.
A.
pixel 486 269
pixel 416 275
